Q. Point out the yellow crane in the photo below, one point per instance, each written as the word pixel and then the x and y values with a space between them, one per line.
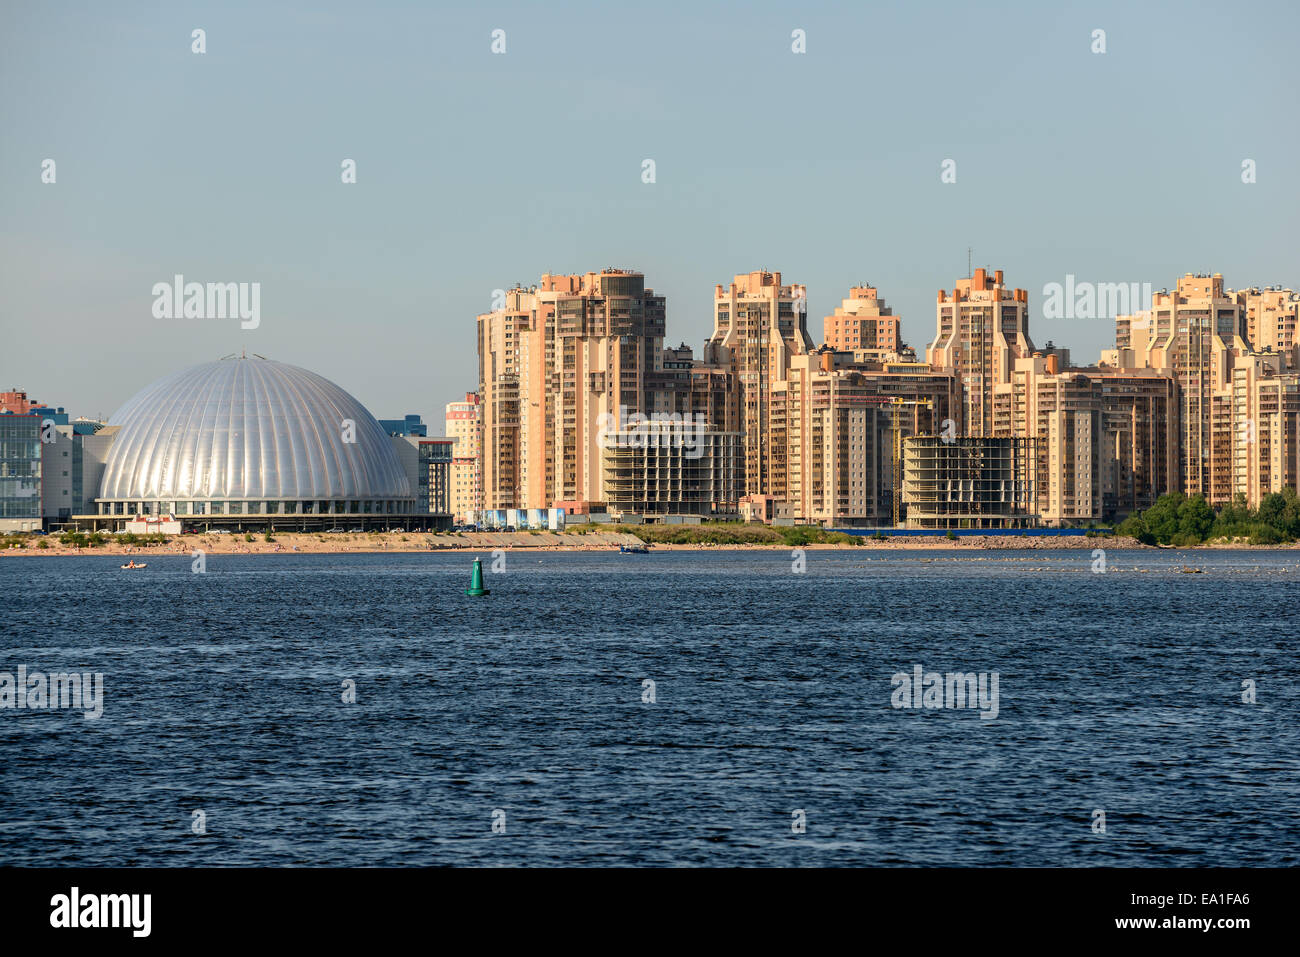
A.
pixel 896 403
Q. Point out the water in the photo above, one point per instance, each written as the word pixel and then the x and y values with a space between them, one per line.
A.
pixel 1119 692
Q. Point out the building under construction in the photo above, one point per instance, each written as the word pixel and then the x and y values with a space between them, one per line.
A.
pixel 837 426
pixel 977 482
pixel 664 469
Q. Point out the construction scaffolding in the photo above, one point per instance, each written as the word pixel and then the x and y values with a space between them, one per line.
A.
pixel 653 472
pixel 975 482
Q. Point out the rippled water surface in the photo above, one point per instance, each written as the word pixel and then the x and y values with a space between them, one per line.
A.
pixel 1120 692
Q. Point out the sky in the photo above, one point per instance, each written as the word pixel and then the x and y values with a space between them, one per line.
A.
pixel 477 170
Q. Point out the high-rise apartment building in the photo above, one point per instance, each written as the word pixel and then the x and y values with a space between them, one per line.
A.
pixel 1255 428
pixel 464 424
pixel 1139 438
pixel 830 433
pixel 500 369
pixel 982 328
pixel 836 425
pixel 1105 438
pixel 1192 333
pixel 563 362
pixel 609 331
pixel 1067 426
pixel 864 325
pixel 1198 328
pixel 758 326
pixel 1271 315
pixel 1233 357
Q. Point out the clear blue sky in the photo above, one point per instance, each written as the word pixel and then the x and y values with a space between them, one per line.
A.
pixel 478 170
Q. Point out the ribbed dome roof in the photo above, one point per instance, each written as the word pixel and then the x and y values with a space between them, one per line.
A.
pixel 248 429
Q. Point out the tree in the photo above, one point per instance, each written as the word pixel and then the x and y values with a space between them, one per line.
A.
pixel 1271 509
pixel 1195 519
pixel 1191 520
pixel 1162 517
pixel 1289 520
pixel 1135 526
pixel 1261 534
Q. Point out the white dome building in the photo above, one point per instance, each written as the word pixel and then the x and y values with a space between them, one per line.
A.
pixel 250 441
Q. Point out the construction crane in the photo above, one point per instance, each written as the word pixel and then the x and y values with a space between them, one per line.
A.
pixel 895 404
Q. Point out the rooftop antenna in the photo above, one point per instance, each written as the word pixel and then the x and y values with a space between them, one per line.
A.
pixel 968 269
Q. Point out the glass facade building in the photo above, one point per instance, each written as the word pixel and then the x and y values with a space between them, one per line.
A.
pixel 20 472
pixel 435 468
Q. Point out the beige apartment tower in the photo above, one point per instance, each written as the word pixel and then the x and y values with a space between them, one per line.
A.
pixel 464 423
pixel 1233 356
pixel 1255 429
pixel 512 349
pixel 564 362
pixel 758 326
pixel 1196 330
pixel 864 325
pixel 983 327
pixel 1271 315
pixel 838 423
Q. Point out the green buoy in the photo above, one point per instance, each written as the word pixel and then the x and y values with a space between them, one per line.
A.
pixel 476 580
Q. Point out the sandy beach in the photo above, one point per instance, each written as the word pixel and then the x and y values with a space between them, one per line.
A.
pixel 314 543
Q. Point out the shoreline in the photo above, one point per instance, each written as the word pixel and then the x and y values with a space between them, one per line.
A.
pixel 308 543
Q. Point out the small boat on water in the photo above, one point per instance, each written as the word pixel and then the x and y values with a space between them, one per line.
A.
pixel 132 564
pixel 637 549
